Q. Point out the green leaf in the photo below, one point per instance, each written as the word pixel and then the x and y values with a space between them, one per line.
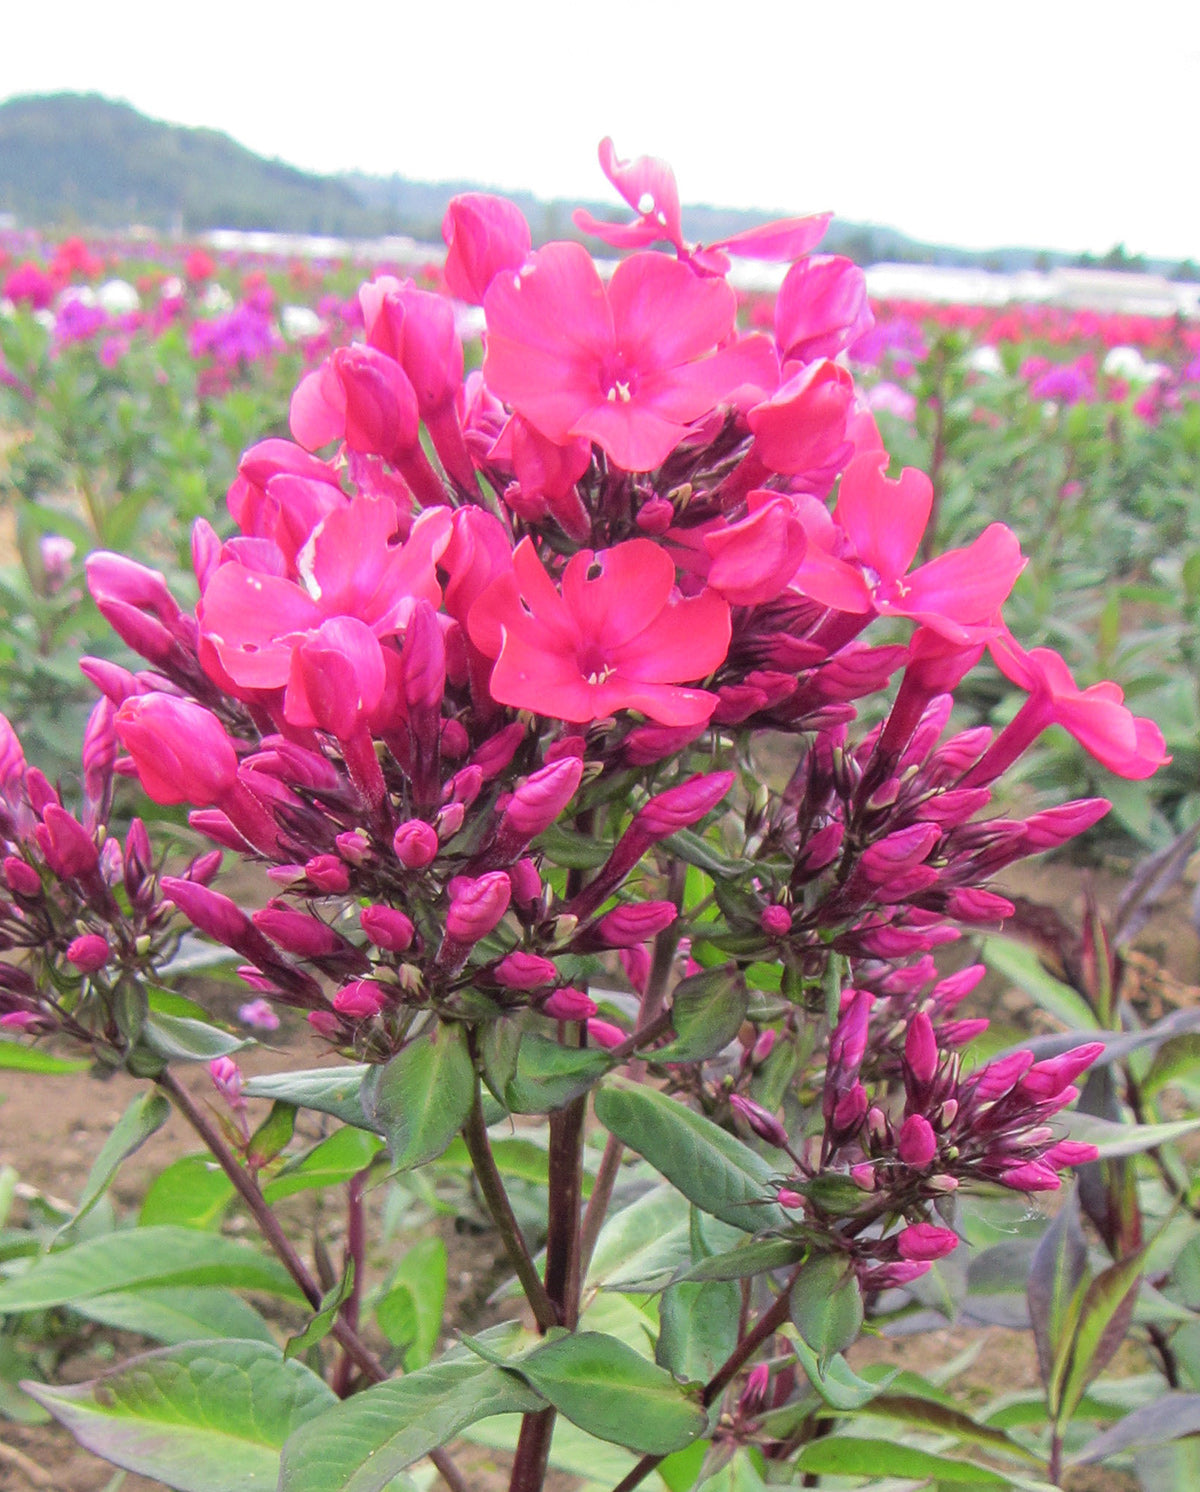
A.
pixel 549 1075
pixel 827 1306
pixel 1114 1139
pixel 204 1417
pixel 144 1117
pixel 1056 1275
pixel 1103 1320
pixel 192 1191
pixel 1021 965
pixel 273 1135
pixel 697 1328
pixel 758 1257
pixel 836 1382
pixel 141 1257
pixel 1177 1058
pixel 410 1314
pixel 499 1043
pixel 921 1413
pixel 571 850
pixel 329 1090
pixel 844 1455
pixel 421 1099
pixel 335 1160
pixel 707 1011
pixel 175 1038
pixel 177 1314
pixel 612 1392
pixel 713 1170
pixel 363 1443
pixel 17 1057
pixel 321 1323
pixel 1168 1417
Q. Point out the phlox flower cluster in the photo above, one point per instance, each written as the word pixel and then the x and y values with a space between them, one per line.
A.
pixel 471 629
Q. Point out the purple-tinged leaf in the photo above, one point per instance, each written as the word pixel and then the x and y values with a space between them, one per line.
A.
pixel 1168 1417
pixel 1056 1275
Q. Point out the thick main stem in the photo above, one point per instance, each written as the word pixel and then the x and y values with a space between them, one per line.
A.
pixel 497 1203
pixel 247 1188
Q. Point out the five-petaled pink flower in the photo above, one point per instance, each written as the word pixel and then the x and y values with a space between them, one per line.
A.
pixel 858 556
pixel 630 365
pixel 618 637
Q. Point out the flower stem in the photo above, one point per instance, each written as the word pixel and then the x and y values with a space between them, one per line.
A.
pixel 500 1209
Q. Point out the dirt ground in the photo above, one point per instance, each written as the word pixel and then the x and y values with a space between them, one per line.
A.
pixel 51 1129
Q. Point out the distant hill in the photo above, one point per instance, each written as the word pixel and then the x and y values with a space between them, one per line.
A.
pixel 80 161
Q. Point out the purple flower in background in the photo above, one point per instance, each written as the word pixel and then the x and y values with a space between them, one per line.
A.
pixel 244 335
pixel 1065 383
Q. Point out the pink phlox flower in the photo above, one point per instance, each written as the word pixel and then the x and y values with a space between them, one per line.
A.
pixel 1127 744
pixel 618 636
pixel 348 569
pixel 648 186
pixel 821 309
pixel 752 560
pixel 629 365
pixel 281 493
pixel 859 556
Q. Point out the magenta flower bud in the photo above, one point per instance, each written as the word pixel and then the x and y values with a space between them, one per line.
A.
pixel 478 906
pixel 902 851
pixel 454 742
pixel 920 1049
pixel 788 1198
pixel 848 1044
pixel 761 1121
pixel 180 749
pixel 116 577
pixel 208 910
pixel 955 987
pixel 353 846
pixel 202 869
pixel 387 928
pixel 863 1177
pixel 88 952
pixel 902 1272
pixel 498 750
pixel 483 235
pixel 948 1113
pixel 521 970
pixel 217 825
pixel 450 820
pixel 360 1000
pixel 416 844
pixel 959 1033
pixel 526 883
pixel 850 1110
pixel 924 1242
pixel 1070 1153
pixel 69 849
pixel 822 849
pixel 655 517
pixel 999 1077
pixel 605 1034
pixel 99 751
pixel 681 807
pixel 754 1395
pixel 227 1080
pixel 259 1014
pixel 763 1047
pixel 297 932
pixel 573 1005
pixel 12 758
pixel 324 1023
pixel 1031 1177
pixel 775 921
pixel 1048 1079
pixel 647 744
pixel 541 797
pixel 328 873
pixel 917 1144
pixel 20 877
pixel 973 904
pixel 1054 826
pixel 627 926
pixel 465 786
pixel 39 791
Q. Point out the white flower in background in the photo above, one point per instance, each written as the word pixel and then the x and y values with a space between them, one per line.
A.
pixel 984 359
pixel 118 297
pixel 1128 363
pixel 217 298
pixel 171 289
pixel 299 321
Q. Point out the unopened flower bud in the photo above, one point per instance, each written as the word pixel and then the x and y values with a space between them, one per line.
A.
pixel 522 970
pixel 359 1000
pixel 920 1049
pixel 924 1241
pixel 763 1046
pixel 478 906
pixel 681 807
pixel 634 923
pixel 775 920
pixel 573 1005
pixel 788 1198
pixel 227 1080
pixel 324 1022
pixel 526 883
pixel 88 952
pixel 1049 1078
pixel 416 844
pixel 387 927
pixel 259 1014
pixel 21 877
pixel 917 1144
pixel 863 1176
pixel 761 1121
pixel 604 1034
pixel 328 873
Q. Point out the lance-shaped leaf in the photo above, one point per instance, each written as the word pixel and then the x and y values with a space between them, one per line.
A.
pixel 841 1455
pixel 177 1313
pixel 362 1444
pixel 329 1090
pixel 144 1117
pixel 548 1075
pixel 1167 1418
pixel 17 1057
pixel 837 1383
pixel 757 1257
pixel 713 1170
pixel 177 1038
pixel 1103 1319
pixel 1056 1276
pixel 321 1323
pixel 144 1256
pixel 1114 1139
pixel 421 1099
pixel 707 1011
pixel 338 1157
pixel 827 1306
pixel 697 1328
pixel 612 1392
pixel 204 1417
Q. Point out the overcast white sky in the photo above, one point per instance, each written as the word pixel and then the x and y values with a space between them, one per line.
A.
pixel 980 122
